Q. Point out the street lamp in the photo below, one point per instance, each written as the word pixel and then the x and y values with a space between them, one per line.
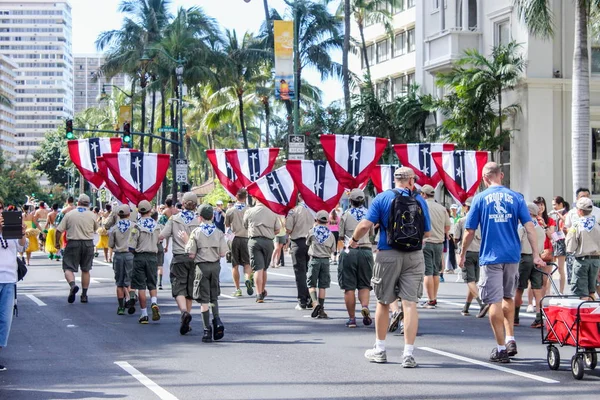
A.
pixel 104 96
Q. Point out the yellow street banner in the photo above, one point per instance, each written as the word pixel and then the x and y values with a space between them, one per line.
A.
pixel 284 60
pixel 124 115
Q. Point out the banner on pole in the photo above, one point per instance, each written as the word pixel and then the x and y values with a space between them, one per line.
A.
pixel 284 60
pixel 124 115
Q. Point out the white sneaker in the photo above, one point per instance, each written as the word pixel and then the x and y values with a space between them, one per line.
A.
pixel 409 362
pixel 530 308
pixel 375 355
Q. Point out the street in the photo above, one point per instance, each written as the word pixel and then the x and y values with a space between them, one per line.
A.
pixel 270 351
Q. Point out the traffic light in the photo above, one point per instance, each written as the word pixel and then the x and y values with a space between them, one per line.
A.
pixel 126 134
pixel 69 130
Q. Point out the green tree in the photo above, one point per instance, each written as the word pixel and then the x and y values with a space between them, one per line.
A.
pixel 411 114
pixel 52 158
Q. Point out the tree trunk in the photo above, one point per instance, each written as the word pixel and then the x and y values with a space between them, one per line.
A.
pixel 267 121
pixel 143 127
pixel 345 52
pixel 268 21
pixel 163 145
pixel 242 124
pixel 364 51
pixel 580 104
pixel 152 116
pixel 290 119
pixel 500 109
pixel 174 152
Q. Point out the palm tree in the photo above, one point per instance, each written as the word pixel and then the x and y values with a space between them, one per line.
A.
pixel 345 54
pixel 538 17
pixel 411 113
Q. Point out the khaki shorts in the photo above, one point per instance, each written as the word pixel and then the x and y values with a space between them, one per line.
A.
pixel 432 253
pixel 182 276
pixel 318 274
pixel 239 251
pixel 470 272
pixel 207 289
pixel 397 274
pixel 78 253
pixel 585 273
pixel 529 273
pixel 497 282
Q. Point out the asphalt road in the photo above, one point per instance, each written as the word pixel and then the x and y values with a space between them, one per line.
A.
pixel 270 351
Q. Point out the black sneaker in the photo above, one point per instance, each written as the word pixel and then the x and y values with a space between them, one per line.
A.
pixel 322 314
pixel 84 298
pixel 207 337
pixel 249 289
pixel 517 322
pixel 143 319
pixel 3 368
pixel 130 305
pixel 186 318
pixel 465 312
pixel 260 298
pixel 218 329
pixel 72 293
pixel 511 348
pixel 316 310
pixel 484 310
pixel 499 356
pixel 537 324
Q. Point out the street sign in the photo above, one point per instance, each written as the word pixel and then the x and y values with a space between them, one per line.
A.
pixel 296 145
pixel 167 129
pixel 296 156
pixel 181 171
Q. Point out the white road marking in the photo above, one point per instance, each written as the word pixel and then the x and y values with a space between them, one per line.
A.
pixel 226 296
pixel 71 326
pixel 144 380
pixel 293 277
pixel 489 365
pixel 475 305
pixel 36 300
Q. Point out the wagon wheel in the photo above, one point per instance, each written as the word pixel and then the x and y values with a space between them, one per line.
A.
pixel 591 358
pixel 553 358
pixel 577 366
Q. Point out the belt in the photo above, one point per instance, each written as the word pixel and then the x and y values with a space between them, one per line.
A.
pixel 300 238
pixel 320 258
pixel 361 248
pixel 525 254
pixel 260 237
pixel 588 257
pixel 80 240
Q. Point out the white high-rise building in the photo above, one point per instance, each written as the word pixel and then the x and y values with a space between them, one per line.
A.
pixel 8 138
pixel 88 86
pixel 36 35
pixel 537 160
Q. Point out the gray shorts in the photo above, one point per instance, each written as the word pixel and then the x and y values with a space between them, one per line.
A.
pixel 206 282
pixel 432 252
pixel 261 251
pixel 123 267
pixel 397 274
pixel 497 282
pixel 145 271
pixel 160 255
pixel 471 271
pixel 281 239
pixel 585 273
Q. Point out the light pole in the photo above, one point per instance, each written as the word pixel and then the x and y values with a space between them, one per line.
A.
pixel 179 74
pixel 104 96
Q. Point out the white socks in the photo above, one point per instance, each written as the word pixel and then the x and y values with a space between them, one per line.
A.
pixel 408 350
pixel 501 348
pixel 154 300
pixel 144 312
pixel 509 338
pixel 380 345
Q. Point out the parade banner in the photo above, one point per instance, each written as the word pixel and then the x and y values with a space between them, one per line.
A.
pixel 383 177
pixel 284 60
pixel 251 164
pixel 84 152
pixel 352 157
pixel 276 190
pixel 223 170
pixel 138 174
pixel 461 171
pixel 316 183
pixel 418 157
pixel 109 181
pixel 124 115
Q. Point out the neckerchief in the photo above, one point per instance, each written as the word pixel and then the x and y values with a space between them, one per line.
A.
pixel 587 223
pixel 81 209
pixel 239 206
pixel 187 216
pixel 123 225
pixel 358 213
pixel 147 224
pixel 207 228
pixel 322 233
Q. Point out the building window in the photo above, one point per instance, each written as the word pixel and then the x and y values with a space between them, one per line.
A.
pixel 595 57
pixel 400 44
pixel 411 40
pixel 410 3
pixel 383 51
pixel 399 7
pixel 370 56
pixel 502 36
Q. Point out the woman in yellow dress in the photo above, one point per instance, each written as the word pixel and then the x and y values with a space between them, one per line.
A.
pixel 32 233
pixel 103 242
pixel 50 240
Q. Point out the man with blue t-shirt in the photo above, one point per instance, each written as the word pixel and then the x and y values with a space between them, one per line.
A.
pixel 498 211
pixel 397 274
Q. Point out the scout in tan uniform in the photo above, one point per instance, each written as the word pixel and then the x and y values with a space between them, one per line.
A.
pixel 297 224
pixel 205 247
pixel 261 224
pixel 119 241
pixel 356 264
pixel 321 245
pixel 528 273
pixel 80 226
pixel 160 254
pixel 144 239
pixel 583 240
pixel 182 268
pixel 234 220
pixel 434 245
pixel 470 271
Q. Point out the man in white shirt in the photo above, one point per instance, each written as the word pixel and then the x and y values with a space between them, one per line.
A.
pixel 572 216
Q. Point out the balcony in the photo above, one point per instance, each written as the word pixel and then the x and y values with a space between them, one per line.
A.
pixel 444 48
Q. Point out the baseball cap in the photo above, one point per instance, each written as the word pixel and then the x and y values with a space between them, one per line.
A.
pixel 455 206
pixel 357 194
pixel 84 198
pixel 533 209
pixel 189 196
pixel 468 202
pixel 123 210
pixel 322 216
pixel 428 190
pixel 219 203
pixel 206 211
pixel 144 206
pixel 585 203
pixel 404 173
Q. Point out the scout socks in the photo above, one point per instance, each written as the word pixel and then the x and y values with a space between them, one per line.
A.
pixel 160 280
pixel 480 302
pixel 121 302
pixel 517 310
pixel 321 302
pixel 215 309
pixel 132 295
pixel 84 292
pixel 206 319
pixel 71 284
pixel 313 296
pixel 466 308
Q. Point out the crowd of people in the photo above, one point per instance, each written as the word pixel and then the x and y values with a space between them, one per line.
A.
pixel 399 247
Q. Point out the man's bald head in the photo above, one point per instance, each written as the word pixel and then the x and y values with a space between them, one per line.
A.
pixel 492 173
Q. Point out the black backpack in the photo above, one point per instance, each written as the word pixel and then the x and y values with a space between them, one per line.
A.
pixel 406 224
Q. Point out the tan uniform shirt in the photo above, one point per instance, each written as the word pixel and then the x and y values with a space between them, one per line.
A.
pixel 318 234
pixel 459 232
pixel 176 224
pixel 80 224
pixel 119 239
pixel 299 221
pixel 540 235
pixel 234 218
pixel 110 221
pixel 439 221
pixel 260 221
pixel 583 238
pixel 207 242
pixel 144 236
pixel 349 222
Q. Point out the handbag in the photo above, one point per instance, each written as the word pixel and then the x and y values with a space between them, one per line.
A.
pixel 21 268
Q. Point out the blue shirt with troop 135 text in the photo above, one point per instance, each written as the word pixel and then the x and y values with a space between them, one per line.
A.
pixel 379 213
pixel 498 211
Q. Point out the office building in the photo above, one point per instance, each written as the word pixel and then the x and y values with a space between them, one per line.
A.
pixel 8 138
pixel 88 83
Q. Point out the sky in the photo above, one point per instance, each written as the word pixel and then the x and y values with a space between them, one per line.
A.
pixel 91 17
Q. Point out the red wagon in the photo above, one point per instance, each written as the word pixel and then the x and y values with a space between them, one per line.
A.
pixel 569 321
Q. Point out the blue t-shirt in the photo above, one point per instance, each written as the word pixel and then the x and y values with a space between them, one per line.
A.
pixel 498 211
pixel 379 213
